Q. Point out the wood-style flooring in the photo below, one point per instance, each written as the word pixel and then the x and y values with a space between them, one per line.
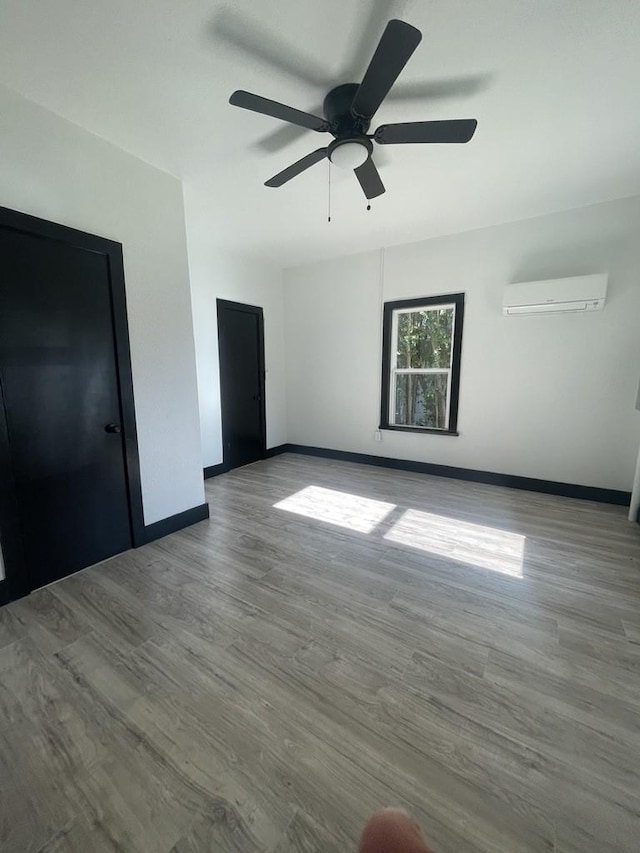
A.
pixel 336 638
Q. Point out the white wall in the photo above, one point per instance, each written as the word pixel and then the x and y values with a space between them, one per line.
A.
pixel 550 397
pixel 55 170
pixel 219 275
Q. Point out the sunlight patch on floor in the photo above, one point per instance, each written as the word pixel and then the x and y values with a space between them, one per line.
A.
pixel 474 544
pixel 339 508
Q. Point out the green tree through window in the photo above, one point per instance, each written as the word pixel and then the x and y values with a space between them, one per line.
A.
pixel 421 363
pixel 424 340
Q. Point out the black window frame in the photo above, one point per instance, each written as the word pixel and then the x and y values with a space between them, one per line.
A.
pixel 456 299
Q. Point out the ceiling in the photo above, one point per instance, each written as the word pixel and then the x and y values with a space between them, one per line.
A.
pixel 553 83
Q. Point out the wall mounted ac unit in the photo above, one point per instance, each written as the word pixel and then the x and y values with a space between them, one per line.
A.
pixel 579 294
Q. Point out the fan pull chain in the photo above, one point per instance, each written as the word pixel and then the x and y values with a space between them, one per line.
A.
pixel 329 194
pixel 368 207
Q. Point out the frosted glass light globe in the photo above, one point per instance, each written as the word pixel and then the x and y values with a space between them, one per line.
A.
pixel 349 155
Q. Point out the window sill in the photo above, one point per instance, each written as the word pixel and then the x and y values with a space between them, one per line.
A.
pixel 393 428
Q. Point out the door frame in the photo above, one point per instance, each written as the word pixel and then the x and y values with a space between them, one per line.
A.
pixel 16 582
pixel 226 304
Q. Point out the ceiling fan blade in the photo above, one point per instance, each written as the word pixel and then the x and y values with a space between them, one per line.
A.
pixel 258 104
pixel 369 29
pixel 369 178
pixel 281 136
pixel 394 50
pixel 456 130
pixel 295 169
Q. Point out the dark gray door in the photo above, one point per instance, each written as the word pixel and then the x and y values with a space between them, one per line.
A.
pixel 241 348
pixel 59 385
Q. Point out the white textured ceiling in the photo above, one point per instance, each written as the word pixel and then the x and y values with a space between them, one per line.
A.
pixel 553 83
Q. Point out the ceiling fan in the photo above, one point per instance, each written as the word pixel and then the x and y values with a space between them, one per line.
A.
pixel 348 110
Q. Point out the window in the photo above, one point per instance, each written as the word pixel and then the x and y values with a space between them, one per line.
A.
pixel 422 339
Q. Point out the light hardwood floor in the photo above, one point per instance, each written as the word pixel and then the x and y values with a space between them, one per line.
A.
pixel 264 680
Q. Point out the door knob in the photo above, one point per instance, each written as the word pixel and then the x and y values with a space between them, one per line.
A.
pixel 112 428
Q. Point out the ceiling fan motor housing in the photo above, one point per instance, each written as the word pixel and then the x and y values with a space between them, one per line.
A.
pixel 337 111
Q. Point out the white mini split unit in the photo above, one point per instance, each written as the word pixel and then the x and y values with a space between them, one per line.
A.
pixel 558 295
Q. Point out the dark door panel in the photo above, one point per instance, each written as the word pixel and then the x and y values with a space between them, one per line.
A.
pixel 60 388
pixel 241 348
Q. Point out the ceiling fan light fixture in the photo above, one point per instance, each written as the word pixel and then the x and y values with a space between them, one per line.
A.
pixel 348 110
pixel 349 155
